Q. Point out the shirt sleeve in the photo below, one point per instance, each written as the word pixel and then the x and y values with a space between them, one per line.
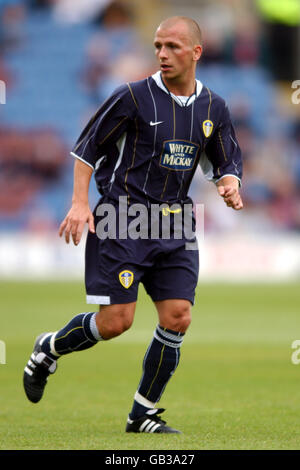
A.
pixel 222 154
pixel 106 126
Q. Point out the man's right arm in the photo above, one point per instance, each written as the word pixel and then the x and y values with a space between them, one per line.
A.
pixel 80 212
pixel 104 128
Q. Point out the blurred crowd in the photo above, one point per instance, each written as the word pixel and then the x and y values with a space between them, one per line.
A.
pixel 29 162
pixel 34 160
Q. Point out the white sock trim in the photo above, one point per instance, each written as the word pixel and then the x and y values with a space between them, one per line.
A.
pixel 143 401
pixel 167 343
pixel 177 338
pixel 94 328
pixel 44 337
pixel 51 344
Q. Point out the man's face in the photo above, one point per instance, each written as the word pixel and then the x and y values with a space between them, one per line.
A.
pixel 175 51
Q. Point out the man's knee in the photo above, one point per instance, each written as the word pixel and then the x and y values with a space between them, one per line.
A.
pixel 175 315
pixel 181 318
pixel 113 320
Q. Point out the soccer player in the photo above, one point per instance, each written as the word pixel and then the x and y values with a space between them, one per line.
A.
pixel 144 144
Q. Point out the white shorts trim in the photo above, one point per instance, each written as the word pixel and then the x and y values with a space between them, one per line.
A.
pixel 98 299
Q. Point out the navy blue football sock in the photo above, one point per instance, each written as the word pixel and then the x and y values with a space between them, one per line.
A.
pixel 79 334
pixel 160 363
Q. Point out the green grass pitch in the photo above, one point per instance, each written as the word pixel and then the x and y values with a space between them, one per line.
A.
pixel 235 388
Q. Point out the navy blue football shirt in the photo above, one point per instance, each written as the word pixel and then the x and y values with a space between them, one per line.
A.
pixel 145 143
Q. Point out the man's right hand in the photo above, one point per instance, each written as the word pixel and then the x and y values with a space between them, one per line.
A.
pixel 74 222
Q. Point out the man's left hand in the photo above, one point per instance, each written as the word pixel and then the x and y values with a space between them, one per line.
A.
pixel 228 188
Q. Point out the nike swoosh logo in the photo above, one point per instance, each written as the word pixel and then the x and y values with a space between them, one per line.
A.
pixel 155 123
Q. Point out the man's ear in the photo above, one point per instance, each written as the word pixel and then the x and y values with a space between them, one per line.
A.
pixel 197 52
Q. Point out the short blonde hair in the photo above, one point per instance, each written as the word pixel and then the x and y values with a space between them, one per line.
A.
pixel 193 27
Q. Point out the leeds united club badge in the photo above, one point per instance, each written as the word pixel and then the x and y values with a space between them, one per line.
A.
pixel 126 278
pixel 207 127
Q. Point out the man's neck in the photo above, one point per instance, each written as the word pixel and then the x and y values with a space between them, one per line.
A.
pixel 180 89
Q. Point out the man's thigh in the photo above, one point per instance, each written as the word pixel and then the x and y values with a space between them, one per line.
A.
pixel 112 273
pixel 174 275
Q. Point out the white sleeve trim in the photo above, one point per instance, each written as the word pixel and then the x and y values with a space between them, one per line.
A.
pixel 229 174
pixel 81 159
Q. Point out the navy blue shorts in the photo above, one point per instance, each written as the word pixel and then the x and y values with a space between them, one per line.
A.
pixel 114 268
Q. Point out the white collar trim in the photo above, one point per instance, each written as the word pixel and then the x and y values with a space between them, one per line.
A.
pixel 199 85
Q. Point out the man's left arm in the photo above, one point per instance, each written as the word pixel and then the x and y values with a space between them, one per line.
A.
pixel 224 154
